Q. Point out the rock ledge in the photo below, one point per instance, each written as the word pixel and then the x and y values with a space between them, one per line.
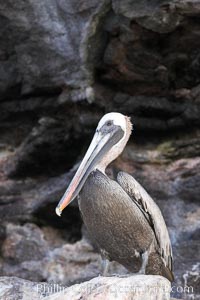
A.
pixel 137 287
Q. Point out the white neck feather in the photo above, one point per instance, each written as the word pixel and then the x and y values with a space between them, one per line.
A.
pixel 116 150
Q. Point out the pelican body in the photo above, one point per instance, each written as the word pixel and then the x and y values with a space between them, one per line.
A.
pixel 121 218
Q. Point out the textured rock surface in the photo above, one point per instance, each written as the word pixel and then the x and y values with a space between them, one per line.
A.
pixel 63 64
pixel 135 287
pixel 12 288
pixel 119 288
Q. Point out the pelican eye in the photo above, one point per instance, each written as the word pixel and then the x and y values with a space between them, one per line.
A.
pixel 109 123
pixel 107 127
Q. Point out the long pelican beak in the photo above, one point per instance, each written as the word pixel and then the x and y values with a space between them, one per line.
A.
pixel 101 143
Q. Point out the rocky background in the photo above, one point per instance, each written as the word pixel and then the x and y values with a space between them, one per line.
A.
pixel 63 64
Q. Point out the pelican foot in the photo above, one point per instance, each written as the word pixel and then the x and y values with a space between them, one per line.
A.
pixel 121 275
pixel 128 275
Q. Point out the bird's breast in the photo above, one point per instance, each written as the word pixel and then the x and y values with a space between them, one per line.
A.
pixel 113 221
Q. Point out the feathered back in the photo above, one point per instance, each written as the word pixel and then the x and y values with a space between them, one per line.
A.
pixel 152 213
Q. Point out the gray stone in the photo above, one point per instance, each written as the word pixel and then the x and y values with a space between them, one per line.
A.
pixel 23 243
pixel 38 33
pixel 138 8
pixel 14 288
pixel 135 287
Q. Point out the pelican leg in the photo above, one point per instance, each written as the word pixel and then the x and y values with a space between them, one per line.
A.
pixel 105 266
pixel 145 257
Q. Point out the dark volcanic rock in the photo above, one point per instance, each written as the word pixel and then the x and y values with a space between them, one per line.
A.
pixel 51 138
pixel 23 243
pixel 41 254
pixel 37 33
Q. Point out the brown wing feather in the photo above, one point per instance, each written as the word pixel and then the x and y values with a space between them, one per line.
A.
pixel 150 208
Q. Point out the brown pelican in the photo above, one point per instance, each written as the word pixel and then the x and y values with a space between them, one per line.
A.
pixel 122 219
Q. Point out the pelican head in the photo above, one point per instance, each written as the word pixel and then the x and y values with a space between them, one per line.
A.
pixel 110 138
